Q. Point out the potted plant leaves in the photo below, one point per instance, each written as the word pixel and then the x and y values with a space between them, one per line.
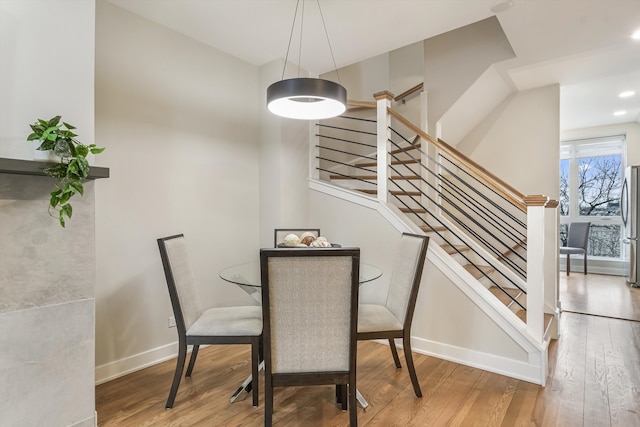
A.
pixel 73 167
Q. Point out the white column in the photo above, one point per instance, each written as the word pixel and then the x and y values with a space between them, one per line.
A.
pixel 535 265
pixel 383 118
pixel 551 271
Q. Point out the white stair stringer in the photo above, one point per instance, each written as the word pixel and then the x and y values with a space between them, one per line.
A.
pixel 456 318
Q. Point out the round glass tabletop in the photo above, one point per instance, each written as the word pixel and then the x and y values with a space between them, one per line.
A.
pixel 248 274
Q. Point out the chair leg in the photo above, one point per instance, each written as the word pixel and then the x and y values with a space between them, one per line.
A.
pixel 406 344
pixel 341 396
pixel 585 263
pixel 192 360
pixel 255 361
pixel 353 407
pixel 268 401
pixel 182 355
pixel 568 263
pixel 394 352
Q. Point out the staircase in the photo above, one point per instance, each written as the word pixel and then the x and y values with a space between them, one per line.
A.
pixel 479 221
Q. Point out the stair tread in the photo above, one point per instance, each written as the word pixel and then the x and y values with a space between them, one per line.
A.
pixel 428 228
pixel 372 177
pixel 453 249
pixel 394 162
pixel 548 318
pixel 415 210
pixel 405 193
pixel 479 271
pixel 402 150
pixel 514 292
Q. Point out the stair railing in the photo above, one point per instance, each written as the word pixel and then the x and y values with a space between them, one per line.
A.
pixel 519 232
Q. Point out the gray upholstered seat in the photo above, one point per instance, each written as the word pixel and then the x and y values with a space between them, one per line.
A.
pixel 197 325
pixel 577 241
pixel 310 308
pixel 393 319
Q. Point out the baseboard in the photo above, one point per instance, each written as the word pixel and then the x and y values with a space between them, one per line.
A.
pixel 122 367
pixel 476 359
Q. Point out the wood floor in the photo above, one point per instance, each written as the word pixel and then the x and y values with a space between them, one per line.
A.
pixel 594 380
pixel 599 295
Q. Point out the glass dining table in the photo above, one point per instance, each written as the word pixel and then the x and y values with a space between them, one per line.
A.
pixel 247 276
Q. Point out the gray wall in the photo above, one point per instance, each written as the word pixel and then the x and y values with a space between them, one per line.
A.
pixel 47 277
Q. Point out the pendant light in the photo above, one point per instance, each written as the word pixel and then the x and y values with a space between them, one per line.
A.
pixel 306 98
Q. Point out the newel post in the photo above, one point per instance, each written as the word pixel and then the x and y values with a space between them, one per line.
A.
pixel 383 131
pixel 551 271
pixel 535 264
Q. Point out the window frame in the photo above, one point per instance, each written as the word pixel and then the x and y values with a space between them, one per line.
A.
pixel 575 149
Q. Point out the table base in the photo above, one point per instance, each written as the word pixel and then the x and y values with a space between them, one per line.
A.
pixel 247 386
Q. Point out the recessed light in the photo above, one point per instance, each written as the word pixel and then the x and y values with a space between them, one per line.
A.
pixel 636 35
pixel 626 94
pixel 620 113
pixel 502 6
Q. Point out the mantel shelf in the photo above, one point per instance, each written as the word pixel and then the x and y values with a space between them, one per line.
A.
pixel 30 167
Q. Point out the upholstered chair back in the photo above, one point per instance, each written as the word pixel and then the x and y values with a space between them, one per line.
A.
pixel 407 269
pixel 182 279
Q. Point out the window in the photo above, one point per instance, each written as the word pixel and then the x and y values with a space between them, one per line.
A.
pixel 591 175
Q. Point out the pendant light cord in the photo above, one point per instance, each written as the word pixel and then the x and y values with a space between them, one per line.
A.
pixel 324 25
pixel 286 58
pixel 335 67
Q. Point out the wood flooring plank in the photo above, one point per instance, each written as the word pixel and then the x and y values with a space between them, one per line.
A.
pixel 520 409
pixel 623 374
pixel 571 368
pixel 596 396
pixel 491 405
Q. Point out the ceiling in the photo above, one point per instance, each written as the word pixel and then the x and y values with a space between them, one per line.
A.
pixel 584 45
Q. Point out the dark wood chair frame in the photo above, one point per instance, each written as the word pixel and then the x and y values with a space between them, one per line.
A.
pixel 296 231
pixel 405 332
pixel 345 381
pixel 185 340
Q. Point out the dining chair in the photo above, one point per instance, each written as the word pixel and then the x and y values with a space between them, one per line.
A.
pixel 310 309
pixel 577 242
pixel 280 233
pixel 198 325
pixel 393 319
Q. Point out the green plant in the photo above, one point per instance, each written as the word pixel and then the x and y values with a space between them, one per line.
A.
pixel 73 168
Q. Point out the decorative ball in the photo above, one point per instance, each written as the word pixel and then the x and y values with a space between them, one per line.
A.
pixel 321 242
pixel 291 240
pixel 307 234
pixel 307 240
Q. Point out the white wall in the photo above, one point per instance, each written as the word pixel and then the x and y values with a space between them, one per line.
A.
pixel 46 69
pixel 454 60
pixel 284 157
pixel 519 141
pixel 365 78
pixel 179 121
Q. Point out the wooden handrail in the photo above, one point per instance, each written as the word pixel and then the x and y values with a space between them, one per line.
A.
pixel 408 92
pixel 365 104
pixel 495 183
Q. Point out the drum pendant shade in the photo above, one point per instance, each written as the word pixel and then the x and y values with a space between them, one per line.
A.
pixel 306 98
